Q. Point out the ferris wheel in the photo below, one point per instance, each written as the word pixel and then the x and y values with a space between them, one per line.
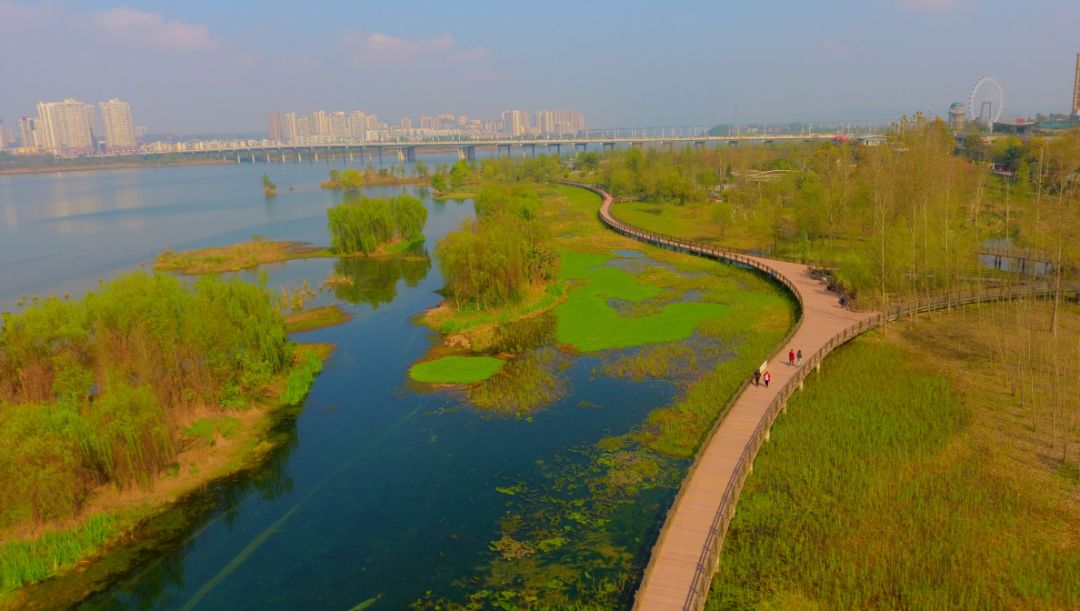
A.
pixel 996 110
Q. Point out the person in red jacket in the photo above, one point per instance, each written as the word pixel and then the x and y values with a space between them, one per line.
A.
pixel 767 378
pixel 791 358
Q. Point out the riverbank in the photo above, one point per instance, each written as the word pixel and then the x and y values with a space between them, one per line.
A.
pixel 217 444
pixel 119 165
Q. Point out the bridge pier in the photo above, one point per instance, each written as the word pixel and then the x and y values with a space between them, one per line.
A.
pixel 582 146
pixel 315 152
pixel 532 149
pixel 555 146
pixel 609 146
pixel 500 149
pixel 410 153
pixel 467 153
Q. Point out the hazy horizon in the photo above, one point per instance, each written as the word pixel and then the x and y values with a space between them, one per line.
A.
pixel 205 68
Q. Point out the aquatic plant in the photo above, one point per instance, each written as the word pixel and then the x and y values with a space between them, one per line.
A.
pixel 300 379
pixel 23 562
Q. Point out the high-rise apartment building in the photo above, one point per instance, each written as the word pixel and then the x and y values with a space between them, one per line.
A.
pixel 358 125
pixel 339 126
pixel 515 123
pixel 28 133
pixel 66 128
pixel 119 127
pixel 273 127
pixel 3 136
pixel 1076 90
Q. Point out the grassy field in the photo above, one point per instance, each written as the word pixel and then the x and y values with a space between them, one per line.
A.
pixel 910 475
pixel 456 369
pixel 235 257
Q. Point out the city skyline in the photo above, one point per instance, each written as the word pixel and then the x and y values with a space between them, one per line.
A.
pixel 195 70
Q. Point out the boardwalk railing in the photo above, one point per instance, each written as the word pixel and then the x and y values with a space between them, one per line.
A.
pixel 709 560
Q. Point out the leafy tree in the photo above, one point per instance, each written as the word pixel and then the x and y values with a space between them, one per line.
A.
pixel 362 224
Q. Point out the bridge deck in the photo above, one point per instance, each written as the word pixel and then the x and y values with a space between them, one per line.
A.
pixel 676 564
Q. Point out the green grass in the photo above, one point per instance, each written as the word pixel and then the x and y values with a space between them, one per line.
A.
pixel 300 379
pixel 456 369
pixel 587 322
pixel 209 429
pixel 24 562
pixel 869 496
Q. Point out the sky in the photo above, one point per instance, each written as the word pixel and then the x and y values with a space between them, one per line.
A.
pixel 208 66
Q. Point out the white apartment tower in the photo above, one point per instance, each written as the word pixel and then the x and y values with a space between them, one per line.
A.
pixel 119 128
pixel 65 128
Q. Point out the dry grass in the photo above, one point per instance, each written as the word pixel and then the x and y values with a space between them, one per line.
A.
pixel 315 318
pixel 235 257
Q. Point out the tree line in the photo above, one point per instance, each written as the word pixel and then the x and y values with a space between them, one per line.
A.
pixel 896 221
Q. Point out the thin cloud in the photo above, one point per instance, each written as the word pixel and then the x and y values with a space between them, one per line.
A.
pixel 130 26
pixel 834 48
pixel 931 6
pixel 376 48
pixel 15 16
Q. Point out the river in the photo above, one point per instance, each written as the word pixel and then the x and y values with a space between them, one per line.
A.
pixel 382 492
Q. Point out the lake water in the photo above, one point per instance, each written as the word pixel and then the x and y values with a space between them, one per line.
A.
pixel 382 492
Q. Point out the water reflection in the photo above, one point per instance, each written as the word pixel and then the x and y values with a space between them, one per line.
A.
pixel 373 280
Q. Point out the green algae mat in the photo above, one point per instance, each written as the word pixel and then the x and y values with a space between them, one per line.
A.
pixel 588 321
pixel 456 369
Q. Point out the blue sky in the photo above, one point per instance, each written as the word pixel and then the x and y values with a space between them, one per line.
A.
pixel 203 66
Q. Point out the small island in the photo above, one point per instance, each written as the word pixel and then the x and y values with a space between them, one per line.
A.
pixel 235 257
pixel 269 188
pixel 352 179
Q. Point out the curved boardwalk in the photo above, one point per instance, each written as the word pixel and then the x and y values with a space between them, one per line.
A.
pixel 684 557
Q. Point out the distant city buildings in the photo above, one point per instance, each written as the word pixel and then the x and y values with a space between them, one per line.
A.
pixel 70 127
pixel 321 127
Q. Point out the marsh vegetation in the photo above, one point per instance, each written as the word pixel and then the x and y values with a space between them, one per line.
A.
pixel 940 484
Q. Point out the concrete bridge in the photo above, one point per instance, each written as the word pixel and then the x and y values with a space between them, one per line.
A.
pixel 467 149
pixel 686 554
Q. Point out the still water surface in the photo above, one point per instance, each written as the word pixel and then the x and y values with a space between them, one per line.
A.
pixel 383 491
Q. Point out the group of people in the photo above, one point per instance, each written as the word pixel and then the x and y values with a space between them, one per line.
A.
pixel 762 375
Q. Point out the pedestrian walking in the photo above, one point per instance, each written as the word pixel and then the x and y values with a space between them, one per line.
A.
pixel 798 357
pixel 791 358
pixel 843 302
pixel 768 378
pixel 757 377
